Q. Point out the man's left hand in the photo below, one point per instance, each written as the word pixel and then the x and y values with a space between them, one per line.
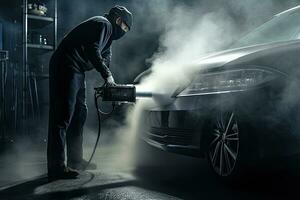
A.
pixel 110 81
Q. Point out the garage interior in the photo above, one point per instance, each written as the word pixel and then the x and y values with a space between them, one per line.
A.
pixel 28 38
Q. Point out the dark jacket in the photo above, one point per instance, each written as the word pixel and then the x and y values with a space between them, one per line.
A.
pixel 87 46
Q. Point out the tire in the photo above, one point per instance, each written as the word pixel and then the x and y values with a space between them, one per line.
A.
pixel 224 147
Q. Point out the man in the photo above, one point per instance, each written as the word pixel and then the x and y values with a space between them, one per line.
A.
pixel 86 47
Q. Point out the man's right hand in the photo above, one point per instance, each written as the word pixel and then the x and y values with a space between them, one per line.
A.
pixel 110 81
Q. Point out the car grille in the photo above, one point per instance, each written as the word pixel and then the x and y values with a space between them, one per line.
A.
pixel 171 135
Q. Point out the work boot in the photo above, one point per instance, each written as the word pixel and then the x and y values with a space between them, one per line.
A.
pixel 63 173
pixel 83 165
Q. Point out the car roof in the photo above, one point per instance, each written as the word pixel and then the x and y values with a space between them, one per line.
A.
pixel 288 11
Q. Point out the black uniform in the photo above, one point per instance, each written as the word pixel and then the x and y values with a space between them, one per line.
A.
pixel 86 47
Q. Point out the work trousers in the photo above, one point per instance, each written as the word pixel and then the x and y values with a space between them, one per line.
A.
pixel 67 115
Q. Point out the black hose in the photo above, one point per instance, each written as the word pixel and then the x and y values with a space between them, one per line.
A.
pixel 99 112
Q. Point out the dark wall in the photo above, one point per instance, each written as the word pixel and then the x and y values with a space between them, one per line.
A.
pixel 1 35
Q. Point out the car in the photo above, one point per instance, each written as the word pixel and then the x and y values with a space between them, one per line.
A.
pixel 242 105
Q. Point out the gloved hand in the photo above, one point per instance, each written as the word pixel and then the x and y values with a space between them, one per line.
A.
pixel 110 81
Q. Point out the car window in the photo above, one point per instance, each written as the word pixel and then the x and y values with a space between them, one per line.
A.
pixel 280 28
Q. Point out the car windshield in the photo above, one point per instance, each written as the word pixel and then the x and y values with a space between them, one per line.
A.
pixel 283 27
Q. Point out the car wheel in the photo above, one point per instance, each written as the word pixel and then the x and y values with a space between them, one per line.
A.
pixel 223 151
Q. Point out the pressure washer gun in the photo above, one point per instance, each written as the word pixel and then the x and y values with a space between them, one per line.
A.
pixel 121 93
pixel 115 94
pixel 118 93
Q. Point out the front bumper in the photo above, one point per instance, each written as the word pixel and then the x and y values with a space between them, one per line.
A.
pixel 182 141
pixel 269 125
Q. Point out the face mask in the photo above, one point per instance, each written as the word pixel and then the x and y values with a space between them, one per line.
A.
pixel 117 32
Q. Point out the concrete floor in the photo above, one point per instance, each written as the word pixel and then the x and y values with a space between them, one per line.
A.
pixel 175 177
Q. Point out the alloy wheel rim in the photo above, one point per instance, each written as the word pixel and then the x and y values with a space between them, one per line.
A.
pixel 224 146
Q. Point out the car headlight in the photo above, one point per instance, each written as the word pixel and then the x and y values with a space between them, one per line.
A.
pixel 227 81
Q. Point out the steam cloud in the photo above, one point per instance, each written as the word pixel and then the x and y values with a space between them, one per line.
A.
pixel 189 33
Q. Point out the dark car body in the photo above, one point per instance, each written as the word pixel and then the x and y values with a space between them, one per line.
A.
pixel 265 102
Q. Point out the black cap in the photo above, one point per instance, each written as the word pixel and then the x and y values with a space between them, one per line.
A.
pixel 122 12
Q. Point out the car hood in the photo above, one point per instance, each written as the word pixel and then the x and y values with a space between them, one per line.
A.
pixel 276 56
pixel 258 55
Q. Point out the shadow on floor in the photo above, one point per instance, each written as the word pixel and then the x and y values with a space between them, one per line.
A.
pixel 27 189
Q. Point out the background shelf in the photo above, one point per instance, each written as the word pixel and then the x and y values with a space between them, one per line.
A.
pixel 39 21
pixel 40 46
pixel 41 18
